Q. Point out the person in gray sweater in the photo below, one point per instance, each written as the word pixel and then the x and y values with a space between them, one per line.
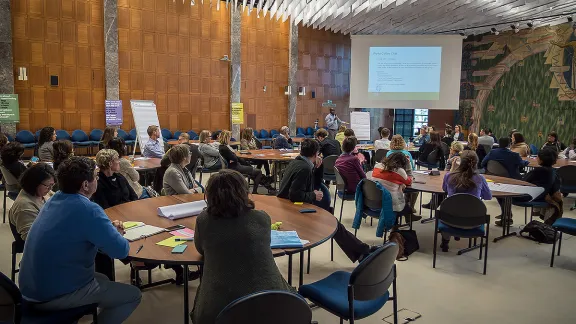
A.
pixel 177 178
pixel 234 239
pixel 210 153
pixel 45 140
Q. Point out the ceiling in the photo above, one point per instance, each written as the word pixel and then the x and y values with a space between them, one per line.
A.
pixel 410 16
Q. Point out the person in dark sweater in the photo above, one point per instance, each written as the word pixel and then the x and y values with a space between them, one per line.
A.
pixel 113 189
pixel 283 141
pixel 297 185
pixel 328 146
pixel 11 154
pixel 554 143
pixel 433 146
pixel 511 161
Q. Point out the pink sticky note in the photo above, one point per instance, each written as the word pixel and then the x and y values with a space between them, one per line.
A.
pixel 185 232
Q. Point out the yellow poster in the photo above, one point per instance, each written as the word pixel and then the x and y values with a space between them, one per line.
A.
pixel 237 113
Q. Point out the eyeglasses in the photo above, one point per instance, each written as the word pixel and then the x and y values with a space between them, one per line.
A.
pixel 49 186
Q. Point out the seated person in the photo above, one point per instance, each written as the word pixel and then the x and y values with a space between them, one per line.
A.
pixel 484 138
pixel 349 166
pixel 249 142
pixel 126 169
pixel 554 143
pixel 36 182
pixel 340 134
pixel 153 148
pixel 63 150
pixel 519 145
pixel 474 146
pixel 177 179
pixel 491 134
pixel 184 138
pixel 392 175
pixel 297 185
pixel 448 137
pixel 458 134
pixel 453 161
pixel 109 133
pixel 397 144
pixel 283 141
pixel 216 135
pixel 570 152
pixel 511 161
pixel 466 180
pixel 238 164
pixel 209 152
pixel 383 143
pixel 45 139
pixel 423 137
pixel 11 154
pixel 361 157
pixel 328 146
pixel 57 268
pixel 113 189
pixel 3 140
pixel 231 220
pixel 433 146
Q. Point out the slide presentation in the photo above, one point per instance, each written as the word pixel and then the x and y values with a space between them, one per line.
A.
pixel 405 71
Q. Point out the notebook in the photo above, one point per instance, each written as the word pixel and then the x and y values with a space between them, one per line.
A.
pixel 142 231
pixel 285 239
pixel 182 210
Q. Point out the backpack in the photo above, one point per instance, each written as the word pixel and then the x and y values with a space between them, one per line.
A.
pixel 539 232
pixel 407 242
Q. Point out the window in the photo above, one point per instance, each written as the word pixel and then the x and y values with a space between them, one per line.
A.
pixel 407 122
pixel 420 118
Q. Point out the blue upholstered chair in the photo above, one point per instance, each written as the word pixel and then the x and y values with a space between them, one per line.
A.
pixel 177 134
pixel 26 138
pixel 256 133
pixel 80 138
pixel 567 174
pixel 531 205
pixel 10 138
pixel 562 225
pixel 62 135
pixel 310 132
pixel 133 134
pixel 328 163
pixel 300 132
pixel 193 134
pixel 274 133
pixel 263 308
pixel 166 134
pixel 264 135
pixel 463 215
pixel 533 149
pixel 361 293
pixel 125 136
pixel 24 312
pixel 95 136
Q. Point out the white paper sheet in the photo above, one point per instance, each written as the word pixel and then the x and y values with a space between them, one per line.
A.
pixel 531 191
pixel 182 210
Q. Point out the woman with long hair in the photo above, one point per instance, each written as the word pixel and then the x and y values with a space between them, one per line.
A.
pixel 63 150
pixel 458 135
pixel 465 179
pixel 249 142
pixel 432 147
pixel 45 139
pixel 474 146
pixel 209 152
pixel 391 173
pixel 519 145
pixel 126 169
pixel 109 133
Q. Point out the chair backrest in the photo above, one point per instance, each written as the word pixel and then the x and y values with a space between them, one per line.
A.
pixel 192 134
pixel 310 131
pixel 496 168
pixel 79 136
pixel 10 138
pixel 278 307
pixel 122 134
pixel 328 163
pixel 487 148
pixel 177 134
pixel 380 155
pixel 374 275
pixel 10 180
pixel 133 134
pixel 372 194
pixel 256 133
pixel 567 174
pixel 274 132
pixel 264 133
pixel 166 133
pixel 17 238
pixel 25 137
pixel 37 135
pixel 300 131
pixel 341 182
pixel 463 210
pixel 96 135
pixel 10 300
pixel 533 149
pixel 62 135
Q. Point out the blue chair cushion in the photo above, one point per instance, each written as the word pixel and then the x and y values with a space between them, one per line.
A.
pixel 566 225
pixel 266 147
pixel 72 315
pixel 29 145
pixel 530 203
pixel 348 196
pixel 461 232
pixel 371 212
pixel 568 189
pixel 331 293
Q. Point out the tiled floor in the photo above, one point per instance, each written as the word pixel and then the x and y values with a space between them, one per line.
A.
pixel 520 287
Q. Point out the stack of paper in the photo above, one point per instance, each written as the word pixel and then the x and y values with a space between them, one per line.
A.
pixel 502 187
pixel 185 232
pixel 182 210
pixel 285 239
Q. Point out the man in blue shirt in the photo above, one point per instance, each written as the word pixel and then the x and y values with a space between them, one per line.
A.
pixel 509 160
pixel 57 269
pixel 153 148
pixel 423 138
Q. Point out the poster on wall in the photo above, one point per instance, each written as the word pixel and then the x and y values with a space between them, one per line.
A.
pixel 237 113
pixel 360 123
pixel 113 112
pixel 9 108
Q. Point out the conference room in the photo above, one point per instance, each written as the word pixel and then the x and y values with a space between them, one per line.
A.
pixel 318 161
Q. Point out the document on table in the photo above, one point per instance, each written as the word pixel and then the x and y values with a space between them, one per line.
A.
pixel 182 210
pixel 171 242
pixel 141 231
pixel 533 192
pixel 285 239
pixel 140 158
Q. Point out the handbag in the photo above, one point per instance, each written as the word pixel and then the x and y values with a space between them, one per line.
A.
pixel 407 242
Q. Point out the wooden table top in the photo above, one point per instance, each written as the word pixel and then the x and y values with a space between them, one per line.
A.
pixel 271 155
pixel 146 164
pixel 175 142
pixel 316 228
pixel 298 139
pixel 559 162
pixel 433 184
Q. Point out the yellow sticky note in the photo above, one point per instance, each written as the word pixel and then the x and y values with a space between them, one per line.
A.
pixel 488 180
pixel 128 225
pixel 171 242
pixel 298 203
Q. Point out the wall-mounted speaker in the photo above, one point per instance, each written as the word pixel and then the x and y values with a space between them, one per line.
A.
pixel 54 80
pixel 313 94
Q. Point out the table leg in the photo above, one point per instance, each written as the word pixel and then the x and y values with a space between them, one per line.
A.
pixel 290 269
pixel 433 207
pixel 301 278
pixel 506 216
pixel 186 310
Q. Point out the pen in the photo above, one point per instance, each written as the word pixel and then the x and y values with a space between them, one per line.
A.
pixel 140 248
pixel 184 239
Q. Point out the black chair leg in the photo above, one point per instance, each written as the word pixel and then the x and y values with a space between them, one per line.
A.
pixel 341 209
pixel 95 316
pixel 308 265
pixel 332 248
pixel 435 244
pixel 481 247
pixel 395 300
pixel 4 217
pixel 559 243
pixel 371 220
pixel 553 249
pixel 13 272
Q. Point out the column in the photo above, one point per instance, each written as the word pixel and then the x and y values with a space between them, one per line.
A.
pixel 292 69
pixel 6 61
pixel 236 63
pixel 111 49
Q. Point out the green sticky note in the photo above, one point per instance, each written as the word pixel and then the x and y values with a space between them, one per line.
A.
pixel 298 203
pixel 128 225
pixel 171 242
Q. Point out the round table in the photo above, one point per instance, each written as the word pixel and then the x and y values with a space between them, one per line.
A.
pixel 316 228
pixel 175 142
pixel 269 154
pixel 559 163
pixel 433 184
pixel 145 164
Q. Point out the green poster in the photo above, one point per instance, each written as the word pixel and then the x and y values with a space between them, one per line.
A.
pixel 9 108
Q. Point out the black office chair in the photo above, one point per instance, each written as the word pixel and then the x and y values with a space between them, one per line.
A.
pixel 379 155
pixel 265 307
pixel 15 309
pixel 496 168
pixel 568 175
pixel 17 247
pixel 11 187
pixel 328 164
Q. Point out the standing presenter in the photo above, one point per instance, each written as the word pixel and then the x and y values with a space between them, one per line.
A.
pixel 333 123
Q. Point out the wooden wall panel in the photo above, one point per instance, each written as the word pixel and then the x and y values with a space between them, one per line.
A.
pixel 264 64
pixel 170 53
pixel 323 67
pixel 63 38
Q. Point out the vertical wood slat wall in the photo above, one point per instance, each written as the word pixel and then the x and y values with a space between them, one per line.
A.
pixel 64 38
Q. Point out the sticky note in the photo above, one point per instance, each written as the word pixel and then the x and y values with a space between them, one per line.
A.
pixel 298 203
pixel 171 242
pixel 185 232
pixel 488 180
pixel 128 225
